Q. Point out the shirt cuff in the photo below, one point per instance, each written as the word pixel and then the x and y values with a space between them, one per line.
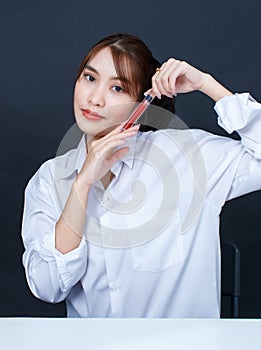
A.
pixel 234 112
pixel 71 266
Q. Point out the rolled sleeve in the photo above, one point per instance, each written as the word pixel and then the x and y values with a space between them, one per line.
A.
pixel 241 113
pixel 70 266
pixel 50 274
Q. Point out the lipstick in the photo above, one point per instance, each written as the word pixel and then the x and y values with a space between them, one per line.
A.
pixel 91 115
pixel 138 111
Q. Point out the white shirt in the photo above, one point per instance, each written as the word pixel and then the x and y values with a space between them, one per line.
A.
pixel 151 241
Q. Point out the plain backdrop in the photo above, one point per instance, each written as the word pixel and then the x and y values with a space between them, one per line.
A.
pixel 42 44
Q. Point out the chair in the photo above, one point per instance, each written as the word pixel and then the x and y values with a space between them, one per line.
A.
pixel 230 279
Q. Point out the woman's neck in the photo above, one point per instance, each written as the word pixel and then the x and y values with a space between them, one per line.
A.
pixel 107 178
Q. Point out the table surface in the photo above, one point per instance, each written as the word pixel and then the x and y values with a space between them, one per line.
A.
pixel 126 334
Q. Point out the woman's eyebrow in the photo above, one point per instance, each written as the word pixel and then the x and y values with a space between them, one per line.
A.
pixel 123 79
pixel 92 69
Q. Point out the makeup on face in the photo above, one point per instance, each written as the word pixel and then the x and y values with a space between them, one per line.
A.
pixel 91 115
pixel 103 69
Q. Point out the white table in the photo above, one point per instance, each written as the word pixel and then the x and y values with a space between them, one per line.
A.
pixel 126 334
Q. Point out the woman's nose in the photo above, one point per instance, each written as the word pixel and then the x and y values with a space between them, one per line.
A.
pixel 96 97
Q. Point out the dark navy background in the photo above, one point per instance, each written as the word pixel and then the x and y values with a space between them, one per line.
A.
pixel 42 44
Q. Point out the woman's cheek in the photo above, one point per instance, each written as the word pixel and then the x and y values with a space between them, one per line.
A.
pixel 122 111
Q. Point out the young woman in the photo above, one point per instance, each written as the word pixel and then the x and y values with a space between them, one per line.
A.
pixel 126 225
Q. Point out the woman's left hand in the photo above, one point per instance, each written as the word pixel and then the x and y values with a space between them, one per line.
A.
pixel 175 77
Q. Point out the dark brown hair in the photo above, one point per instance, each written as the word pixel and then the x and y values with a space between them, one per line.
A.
pixel 132 60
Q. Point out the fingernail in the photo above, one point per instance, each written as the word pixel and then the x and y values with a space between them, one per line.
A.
pixel 136 126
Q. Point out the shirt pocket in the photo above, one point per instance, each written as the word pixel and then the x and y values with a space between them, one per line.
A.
pixel 161 252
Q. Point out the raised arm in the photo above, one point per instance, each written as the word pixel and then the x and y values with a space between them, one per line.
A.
pixel 176 76
pixel 236 112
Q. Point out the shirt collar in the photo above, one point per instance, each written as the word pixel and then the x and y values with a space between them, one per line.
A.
pixel 129 157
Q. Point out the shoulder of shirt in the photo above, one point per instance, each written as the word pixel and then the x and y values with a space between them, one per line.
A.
pixel 190 137
pixel 180 134
pixel 46 171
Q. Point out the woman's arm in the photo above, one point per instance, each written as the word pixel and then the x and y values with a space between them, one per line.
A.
pixel 100 158
pixel 55 256
pixel 176 76
pixel 213 88
pixel 237 162
pixel 69 227
pixel 50 274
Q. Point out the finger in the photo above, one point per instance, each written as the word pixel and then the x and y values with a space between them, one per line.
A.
pixel 156 84
pixel 179 71
pixel 149 92
pixel 117 155
pixel 161 79
pixel 169 75
pixel 119 129
pixel 111 145
pixel 114 137
pixel 124 134
pixel 105 150
pixel 164 77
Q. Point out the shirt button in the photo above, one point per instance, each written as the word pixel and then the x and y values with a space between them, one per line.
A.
pixel 114 285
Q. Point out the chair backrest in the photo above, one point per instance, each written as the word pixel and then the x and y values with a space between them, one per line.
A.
pixel 230 278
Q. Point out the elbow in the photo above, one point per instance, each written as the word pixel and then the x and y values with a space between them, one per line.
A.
pixel 43 282
pixel 46 294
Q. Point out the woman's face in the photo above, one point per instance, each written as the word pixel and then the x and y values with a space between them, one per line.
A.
pixel 100 102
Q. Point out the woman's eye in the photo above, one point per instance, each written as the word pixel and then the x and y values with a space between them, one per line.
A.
pixel 117 88
pixel 89 77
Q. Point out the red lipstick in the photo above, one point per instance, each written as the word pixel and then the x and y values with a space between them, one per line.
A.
pixel 91 115
pixel 138 111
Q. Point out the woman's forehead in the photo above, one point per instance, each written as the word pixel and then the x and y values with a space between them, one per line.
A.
pixel 108 60
pixel 117 64
pixel 102 57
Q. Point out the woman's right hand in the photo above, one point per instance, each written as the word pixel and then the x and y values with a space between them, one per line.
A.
pixel 101 154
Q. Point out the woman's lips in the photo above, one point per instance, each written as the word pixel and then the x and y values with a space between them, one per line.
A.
pixel 91 115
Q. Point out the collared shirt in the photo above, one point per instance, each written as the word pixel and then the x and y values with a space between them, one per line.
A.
pixel 151 242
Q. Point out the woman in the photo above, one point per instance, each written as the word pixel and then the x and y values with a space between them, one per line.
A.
pixel 126 225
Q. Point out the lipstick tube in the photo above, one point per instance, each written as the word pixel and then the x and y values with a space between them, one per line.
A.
pixel 139 110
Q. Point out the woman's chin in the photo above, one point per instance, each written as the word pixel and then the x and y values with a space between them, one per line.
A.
pixel 96 132
pixel 97 128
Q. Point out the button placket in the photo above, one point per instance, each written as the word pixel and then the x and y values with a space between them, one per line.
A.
pixel 112 260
